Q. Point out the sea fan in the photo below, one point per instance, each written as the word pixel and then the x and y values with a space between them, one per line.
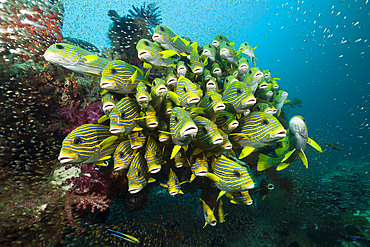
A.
pixel 149 12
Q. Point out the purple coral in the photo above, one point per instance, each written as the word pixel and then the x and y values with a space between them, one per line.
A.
pixel 78 117
pixel 89 177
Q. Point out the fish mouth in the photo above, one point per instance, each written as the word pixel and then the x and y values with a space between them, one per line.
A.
pixel 116 130
pixel 173 193
pixel 143 54
pixel 106 84
pixel 117 168
pixel 152 125
pixel 218 140
pixel 228 147
pixel 250 203
pixel 171 81
pixel 284 94
pixel 190 130
pixel 269 93
pixel 136 146
pixel 63 159
pixel 270 111
pixel 243 66
pixel 219 107
pixel 263 85
pixel 201 173
pixel 143 98
pixel 258 75
pixel 134 190
pixel 156 36
pixel 207 77
pixel 233 125
pixel 179 165
pixel 207 53
pixel 224 51
pixel 108 106
pixel 216 71
pixel 211 84
pixel 250 102
pixel 154 169
pixel 193 100
pixel 163 139
pixel 198 71
pixel 213 222
pixel 161 90
pixel 181 69
pixel 279 134
pixel 215 43
pixel 169 111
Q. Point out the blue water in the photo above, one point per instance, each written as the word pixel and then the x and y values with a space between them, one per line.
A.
pixel 320 50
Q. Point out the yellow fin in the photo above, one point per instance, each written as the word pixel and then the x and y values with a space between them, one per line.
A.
pixel 313 144
pixel 233 202
pixel 164 132
pixel 90 58
pixel 168 53
pixel 263 162
pixel 174 97
pixel 187 43
pixel 105 158
pixel 133 77
pixel 138 69
pixel 287 101
pixel 280 151
pixel 255 47
pixel 192 177
pixel 164 185
pixel 104 91
pixel 232 153
pixel 175 150
pixel 185 147
pixel 263 197
pixel 238 53
pixel 282 166
pixel 151 180
pixel 288 154
pixel 147 66
pixel 107 142
pixel 198 110
pixel 197 151
pixel 278 113
pixel 100 163
pixel 303 158
pixel 213 177
pixel 245 152
pixel 175 38
pixel 147 74
pixel 103 118
pixel 195 46
pixel 276 79
pixel 137 129
pixel 222 192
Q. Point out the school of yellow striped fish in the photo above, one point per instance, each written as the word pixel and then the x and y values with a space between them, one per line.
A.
pixel 211 107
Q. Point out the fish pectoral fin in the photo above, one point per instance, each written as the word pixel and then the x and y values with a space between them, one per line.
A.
pixel 287 101
pixel 147 66
pixel 151 180
pixel 245 152
pixel 163 185
pixel 107 142
pixel 103 118
pixel 90 58
pixel 133 77
pixel 222 192
pixel 281 151
pixel 213 177
pixel 197 151
pixel 174 97
pixel 233 202
pixel 175 150
pixel 147 74
pixel 168 53
pixel 205 62
pixel 137 129
pixel 303 157
pixel 287 155
pixel 313 144
pixel 192 177
pixel 138 69
pixel 278 113
pixel 100 163
pixel 264 162
pixel 282 166
pixel 180 192
pixel 238 53
pixel 197 110
pixel 263 197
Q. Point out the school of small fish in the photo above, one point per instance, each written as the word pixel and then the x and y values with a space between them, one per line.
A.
pixel 210 106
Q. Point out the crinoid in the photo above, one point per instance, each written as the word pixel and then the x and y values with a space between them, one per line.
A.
pixel 149 12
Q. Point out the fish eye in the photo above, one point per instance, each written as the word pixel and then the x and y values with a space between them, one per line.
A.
pixel 146 43
pixel 258 108
pixel 210 99
pixel 237 173
pixel 153 83
pixel 122 115
pixel 204 129
pixel 224 117
pixel 113 71
pixel 138 173
pixel 77 140
pixel 227 44
pixel 122 154
pixel 185 89
pixel 60 47
pixel 239 91
pixel 209 46
pixel 265 121
pixel 304 120
pixel 277 93
pixel 220 37
pixel 161 28
pixel 176 119
pixel 250 71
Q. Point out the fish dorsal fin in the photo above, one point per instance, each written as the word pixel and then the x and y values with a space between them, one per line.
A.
pixel 175 38
pixel 138 69
pixel 175 150
pixel 195 47
pixel 187 43
pixel 288 154
pixel 107 142
pixel 168 53
pixel 90 58
pixel 313 144
pixel 137 129
pixel 103 118
pixel 245 152
pixel 303 158
pixel 133 77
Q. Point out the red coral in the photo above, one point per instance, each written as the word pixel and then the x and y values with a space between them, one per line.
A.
pixel 96 201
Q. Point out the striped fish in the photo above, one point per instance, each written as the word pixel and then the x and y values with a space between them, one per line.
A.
pixel 88 143
pixel 216 71
pixel 166 38
pixel 228 80
pixel 137 139
pixel 138 175
pixel 275 86
pixel 187 92
pixel 158 93
pixel 256 130
pixel 208 215
pixel 261 89
pixel 182 127
pixel 248 50
pixel 109 101
pixel 211 85
pixel 123 116
pixel 153 155
pixel 226 121
pixel 208 136
pixel 279 99
pixel 171 79
pixel 218 40
pixel 142 95
pixel 121 77
pixel 151 53
pixel 243 67
pixel 196 63
pixel 264 106
pixel 253 78
pixel 123 155
pixel 179 159
pixel 240 197
pixel 267 75
pixel 227 52
pixel 173 184
pixel 238 97
pixel 212 104
pixel 234 176
pixel 75 59
pixel 206 75
pixel 224 146
pixel 181 68
pixel 220 213
pixel 210 52
pixel 199 166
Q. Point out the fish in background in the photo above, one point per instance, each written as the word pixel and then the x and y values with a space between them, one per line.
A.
pixel 219 39
pixel 167 39
pixel 248 50
pixel 75 59
pixel 173 184
pixel 204 215
pixel 297 139
pixel 152 54
pixel 264 189
pixel 279 99
pixel 240 197
pixel 123 155
pixel 138 175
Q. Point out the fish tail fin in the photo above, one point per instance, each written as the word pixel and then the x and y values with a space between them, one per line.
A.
pixel 264 162
pixel 282 166
pixel 303 157
pixel 175 150
pixel 313 144
pixel 194 46
pixel 245 152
